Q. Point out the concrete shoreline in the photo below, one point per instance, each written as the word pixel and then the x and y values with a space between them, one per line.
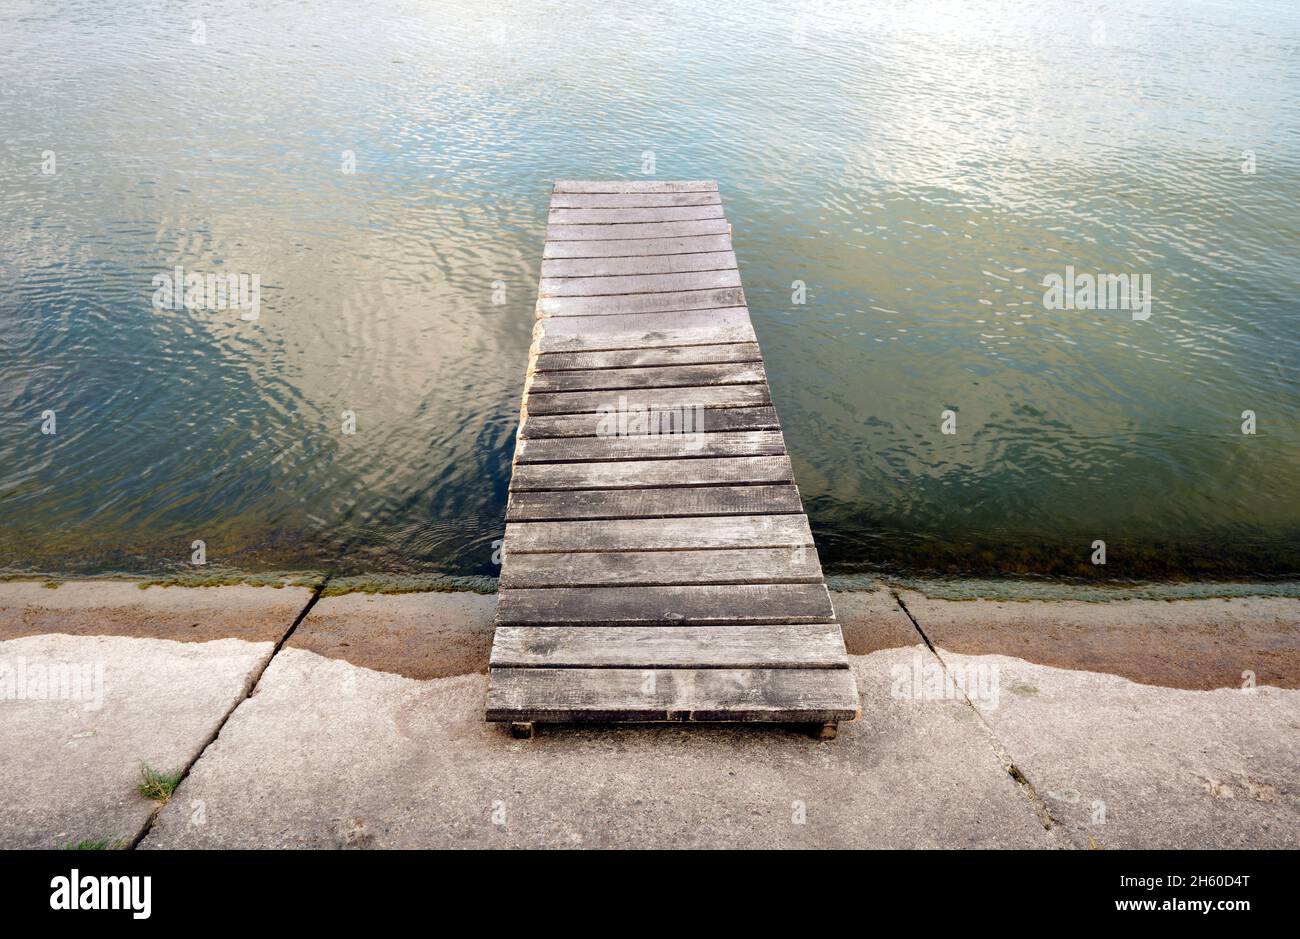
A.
pixel 1135 723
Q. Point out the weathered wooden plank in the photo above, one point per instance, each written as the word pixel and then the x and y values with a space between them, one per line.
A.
pixel 653 503
pixel 635 185
pixel 623 216
pixel 637 358
pixel 652 474
pixel 624 304
pixel 658 534
pixel 706 420
pixel 785 645
pixel 629 246
pixel 709 334
pixel 623 232
pixel 650 399
pixel 642 330
pixel 666 376
pixel 593 328
pixel 729 605
pixel 664 446
pixel 716 298
pixel 664 568
pixel 645 264
pixel 622 200
pixel 606 286
pixel 777 695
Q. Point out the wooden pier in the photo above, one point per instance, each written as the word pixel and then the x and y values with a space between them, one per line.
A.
pixel 657 563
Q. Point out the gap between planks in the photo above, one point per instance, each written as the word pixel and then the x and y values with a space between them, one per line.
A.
pixel 702 354
pixel 659 534
pixel 651 474
pixel 595 423
pixel 644 377
pixel 690 502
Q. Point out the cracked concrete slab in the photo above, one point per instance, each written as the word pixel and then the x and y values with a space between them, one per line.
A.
pixel 1195 644
pixel 368 731
pixel 79 714
pixel 329 754
pixel 871 620
pixel 1125 765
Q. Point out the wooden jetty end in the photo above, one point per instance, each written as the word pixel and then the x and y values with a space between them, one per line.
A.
pixel 657 563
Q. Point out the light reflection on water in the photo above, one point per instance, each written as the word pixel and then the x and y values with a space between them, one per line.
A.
pixel 921 168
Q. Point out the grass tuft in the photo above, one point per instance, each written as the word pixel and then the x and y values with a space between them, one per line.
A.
pixel 158 786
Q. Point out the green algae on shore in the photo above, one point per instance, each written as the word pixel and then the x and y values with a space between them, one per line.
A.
pixel 939 588
pixel 1022 589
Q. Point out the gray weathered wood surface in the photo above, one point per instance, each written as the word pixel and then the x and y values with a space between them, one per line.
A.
pixel 752 394
pixel 673 301
pixel 653 474
pixel 670 502
pixel 657 563
pixel 631 358
pixel 611 200
pixel 648 264
pixel 643 331
pixel 692 604
pixel 659 534
pixel 649 376
pixel 783 645
pixel 613 285
pixel 661 446
pixel 789 695
pixel 662 568
pixel 590 424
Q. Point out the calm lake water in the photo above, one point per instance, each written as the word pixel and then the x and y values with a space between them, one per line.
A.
pixel 921 167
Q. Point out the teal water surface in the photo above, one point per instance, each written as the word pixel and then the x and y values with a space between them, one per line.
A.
pixel 384 169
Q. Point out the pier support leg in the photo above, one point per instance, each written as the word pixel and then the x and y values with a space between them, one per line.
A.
pixel 521 730
pixel 828 730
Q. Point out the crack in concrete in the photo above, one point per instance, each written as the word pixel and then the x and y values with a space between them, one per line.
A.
pixel 1036 802
pixel 250 686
